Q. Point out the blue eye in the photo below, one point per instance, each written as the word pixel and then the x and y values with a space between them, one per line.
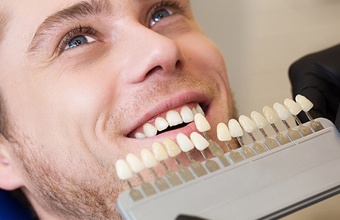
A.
pixel 78 41
pixel 159 15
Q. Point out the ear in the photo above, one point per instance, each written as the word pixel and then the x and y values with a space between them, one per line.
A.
pixel 9 178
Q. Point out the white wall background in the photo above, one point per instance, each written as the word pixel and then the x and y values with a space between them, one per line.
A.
pixel 261 38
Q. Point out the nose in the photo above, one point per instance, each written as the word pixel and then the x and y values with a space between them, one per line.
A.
pixel 150 54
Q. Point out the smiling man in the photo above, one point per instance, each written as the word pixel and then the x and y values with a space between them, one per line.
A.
pixel 84 83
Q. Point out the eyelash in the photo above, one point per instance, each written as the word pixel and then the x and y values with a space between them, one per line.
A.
pixel 175 5
pixel 76 32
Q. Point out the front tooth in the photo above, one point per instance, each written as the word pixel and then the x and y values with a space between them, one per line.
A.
pixel 202 123
pixel 223 133
pixel 135 163
pixel 199 141
pixel 159 151
pixel 173 118
pixel 187 114
pixel 149 130
pixel 171 147
pixel 123 170
pixel 184 142
pixel 148 158
pixel 161 124
pixel 200 110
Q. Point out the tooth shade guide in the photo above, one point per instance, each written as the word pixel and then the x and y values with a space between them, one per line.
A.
pixel 306 106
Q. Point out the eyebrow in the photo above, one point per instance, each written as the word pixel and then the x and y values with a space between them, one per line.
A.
pixel 75 12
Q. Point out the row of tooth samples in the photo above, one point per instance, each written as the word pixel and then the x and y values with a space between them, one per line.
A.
pixel 200 141
pixel 172 118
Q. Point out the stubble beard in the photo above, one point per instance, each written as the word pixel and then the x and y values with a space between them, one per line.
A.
pixel 64 193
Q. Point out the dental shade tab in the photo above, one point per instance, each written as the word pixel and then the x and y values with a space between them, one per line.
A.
pixel 196 173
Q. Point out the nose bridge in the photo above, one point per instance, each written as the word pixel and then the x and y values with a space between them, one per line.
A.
pixel 151 53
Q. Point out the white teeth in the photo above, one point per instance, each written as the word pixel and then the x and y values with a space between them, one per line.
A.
pixel 187 114
pixel 123 170
pixel 199 141
pixel 292 106
pixel 135 163
pixel 171 147
pixel 235 128
pixel 259 120
pixel 139 135
pixel 161 124
pixel 184 142
pixel 202 123
pixel 148 158
pixel 305 104
pixel 200 110
pixel 247 124
pixel 194 111
pixel 173 118
pixel 270 115
pixel 283 113
pixel 223 133
pixel 159 151
pixel 149 130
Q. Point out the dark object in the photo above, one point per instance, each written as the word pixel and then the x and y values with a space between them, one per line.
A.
pixel 317 76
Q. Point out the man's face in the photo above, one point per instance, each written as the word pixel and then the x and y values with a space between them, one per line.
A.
pixel 80 79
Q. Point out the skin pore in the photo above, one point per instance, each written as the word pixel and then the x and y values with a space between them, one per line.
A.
pixel 79 77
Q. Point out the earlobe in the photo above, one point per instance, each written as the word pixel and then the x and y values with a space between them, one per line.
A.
pixel 9 178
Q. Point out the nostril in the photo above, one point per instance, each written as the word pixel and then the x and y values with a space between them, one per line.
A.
pixel 178 64
pixel 154 70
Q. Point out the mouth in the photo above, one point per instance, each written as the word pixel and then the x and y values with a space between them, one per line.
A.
pixel 171 120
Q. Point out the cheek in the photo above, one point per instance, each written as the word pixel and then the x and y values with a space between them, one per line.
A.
pixel 202 53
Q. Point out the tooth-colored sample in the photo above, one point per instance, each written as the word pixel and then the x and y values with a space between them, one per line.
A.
pixel 305 104
pixel 292 106
pixel 139 135
pixel 173 118
pixel 259 119
pixel 184 142
pixel 171 147
pixel 159 151
pixel 202 123
pixel 149 130
pixel 135 163
pixel 235 128
pixel 270 115
pixel 282 111
pixel 223 133
pixel 161 124
pixel 186 114
pixel 247 124
pixel 123 170
pixel 200 110
pixel 194 110
pixel 199 141
pixel 148 158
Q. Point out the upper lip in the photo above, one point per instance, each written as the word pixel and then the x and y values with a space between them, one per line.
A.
pixel 166 105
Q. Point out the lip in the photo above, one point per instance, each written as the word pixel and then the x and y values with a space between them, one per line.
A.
pixel 166 105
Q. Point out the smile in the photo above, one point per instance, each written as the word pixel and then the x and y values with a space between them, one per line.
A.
pixel 170 120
